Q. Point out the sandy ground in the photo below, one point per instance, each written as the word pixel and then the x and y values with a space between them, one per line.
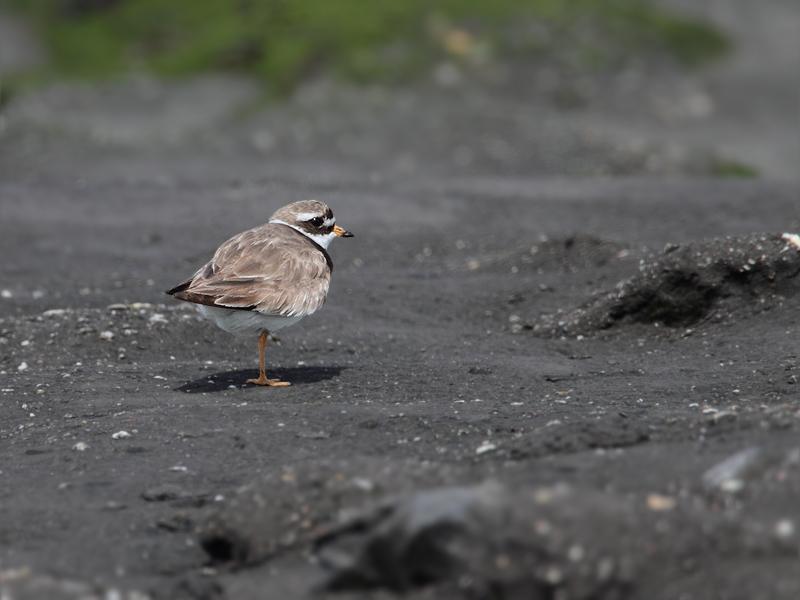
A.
pixel 421 371
pixel 536 376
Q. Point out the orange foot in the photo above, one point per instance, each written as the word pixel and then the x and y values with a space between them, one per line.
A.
pixel 262 380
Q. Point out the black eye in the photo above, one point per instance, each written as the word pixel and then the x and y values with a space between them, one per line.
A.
pixel 317 221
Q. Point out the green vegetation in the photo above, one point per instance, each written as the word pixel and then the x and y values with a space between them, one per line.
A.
pixel 282 41
pixel 733 168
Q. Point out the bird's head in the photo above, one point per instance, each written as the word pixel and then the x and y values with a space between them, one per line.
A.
pixel 313 219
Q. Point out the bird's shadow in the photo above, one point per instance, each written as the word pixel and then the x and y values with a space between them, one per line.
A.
pixel 218 382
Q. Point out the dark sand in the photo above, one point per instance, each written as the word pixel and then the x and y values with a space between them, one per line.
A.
pixel 636 442
pixel 421 371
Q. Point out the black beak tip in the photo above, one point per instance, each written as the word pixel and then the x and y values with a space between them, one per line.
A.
pixel 347 234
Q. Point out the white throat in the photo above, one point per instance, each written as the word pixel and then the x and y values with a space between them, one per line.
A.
pixel 322 240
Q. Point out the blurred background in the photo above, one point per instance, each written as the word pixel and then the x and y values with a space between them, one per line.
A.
pixel 553 87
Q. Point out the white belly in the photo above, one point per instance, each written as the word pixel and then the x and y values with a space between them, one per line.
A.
pixel 244 322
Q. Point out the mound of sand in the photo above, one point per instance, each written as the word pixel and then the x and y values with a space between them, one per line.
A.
pixel 717 280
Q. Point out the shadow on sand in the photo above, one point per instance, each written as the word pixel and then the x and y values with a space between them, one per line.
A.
pixel 218 382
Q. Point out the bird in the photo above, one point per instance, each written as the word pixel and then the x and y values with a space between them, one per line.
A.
pixel 269 277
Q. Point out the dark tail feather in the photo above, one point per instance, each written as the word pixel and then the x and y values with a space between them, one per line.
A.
pixel 179 288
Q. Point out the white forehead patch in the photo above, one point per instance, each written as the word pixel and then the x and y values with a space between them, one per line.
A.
pixel 307 216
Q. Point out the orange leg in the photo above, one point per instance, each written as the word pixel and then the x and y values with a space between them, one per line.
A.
pixel 262 374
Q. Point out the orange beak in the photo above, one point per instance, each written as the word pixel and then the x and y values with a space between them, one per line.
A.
pixel 341 232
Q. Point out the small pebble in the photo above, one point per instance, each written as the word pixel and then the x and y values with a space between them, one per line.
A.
pixel 120 435
pixel 363 484
pixel 792 239
pixel 162 493
pixel 660 503
pixel 575 553
pixel 784 528
pixel 485 447
pixel 732 486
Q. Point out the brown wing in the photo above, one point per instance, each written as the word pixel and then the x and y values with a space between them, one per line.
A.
pixel 272 269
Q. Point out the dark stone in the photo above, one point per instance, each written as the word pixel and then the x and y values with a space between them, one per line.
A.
pixel 164 492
